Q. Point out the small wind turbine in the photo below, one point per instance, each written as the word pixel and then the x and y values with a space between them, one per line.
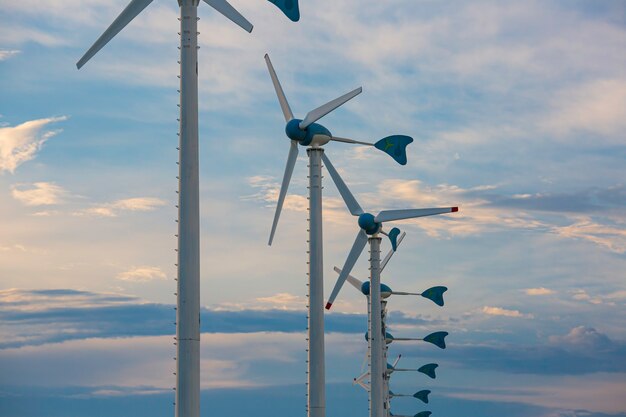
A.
pixel 187 402
pixel 305 132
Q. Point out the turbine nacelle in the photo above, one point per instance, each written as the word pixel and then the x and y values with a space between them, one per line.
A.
pixel 312 135
pixel 385 291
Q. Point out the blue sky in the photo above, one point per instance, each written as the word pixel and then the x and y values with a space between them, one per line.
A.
pixel 518 111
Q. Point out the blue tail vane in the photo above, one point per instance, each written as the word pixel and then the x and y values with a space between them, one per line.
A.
pixel 422 395
pixel 435 294
pixel 393 236
pixel 438 339
pixel 428 369
pixel 423 414
pixel 289 7
pixel 395 146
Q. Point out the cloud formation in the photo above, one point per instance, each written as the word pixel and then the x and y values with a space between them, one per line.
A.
pixel 8 53
pixel 142 274
pixel 21 143
pixel 538 291
pixel 499 311
pixel 129 204
pixel 38 193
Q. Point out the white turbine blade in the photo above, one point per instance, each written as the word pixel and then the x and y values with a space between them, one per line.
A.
pixel 355 252
pixel 230 13
pixel 391 215
pixel 291 162
pixel 129 13
pixel 385 261
pixel 323 110
pixel 346 140
pixel 348 198
pixel 356 283
pixel 284 104
pixel 365 361
pixel 396 361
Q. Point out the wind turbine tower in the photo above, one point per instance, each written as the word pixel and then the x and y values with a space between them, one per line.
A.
pixel 187 403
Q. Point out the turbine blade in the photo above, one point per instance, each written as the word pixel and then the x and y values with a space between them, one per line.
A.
pixel 323 110
pixel 291 162
pixel 385 261
pixel 289 8
pixel 129 13
pixel 284 104
pixel 348 198
pixel 355 252
pixel 346 140
pixel 230 13
pixel 392 215
pixel 356 283
pixel 396 361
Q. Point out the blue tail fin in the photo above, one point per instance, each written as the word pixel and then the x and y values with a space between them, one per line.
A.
pixel 438 339
pixel 395 146
pixel 289 7
pixel 435 294
pixel 393 236
pixel 429 369
pixel 422 395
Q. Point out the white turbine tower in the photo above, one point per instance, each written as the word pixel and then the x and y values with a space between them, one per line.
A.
pixel 372 225
pixel 187 403
pixel 313 135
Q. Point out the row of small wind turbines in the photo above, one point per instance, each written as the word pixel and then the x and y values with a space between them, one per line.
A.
pixel 303 132
pixel 379 387
pixel 307 133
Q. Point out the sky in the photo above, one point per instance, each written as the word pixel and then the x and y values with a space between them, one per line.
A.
pixel 518 111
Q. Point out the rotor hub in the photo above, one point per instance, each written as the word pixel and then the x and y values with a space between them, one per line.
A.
pixel 368 224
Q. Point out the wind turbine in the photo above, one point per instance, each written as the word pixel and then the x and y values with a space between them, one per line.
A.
pixel 306 132
pixel 371 225
pixel 187 403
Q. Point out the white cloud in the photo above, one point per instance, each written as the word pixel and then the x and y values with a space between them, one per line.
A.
pixel 39 194
pixel 142 274
pixel 498 311
pixel 538 291
pixel 8 53
pixel 21 143
pixel 609 236
pixel 129 204
pixel 284 301
pixel 582 295
pixel 598 106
